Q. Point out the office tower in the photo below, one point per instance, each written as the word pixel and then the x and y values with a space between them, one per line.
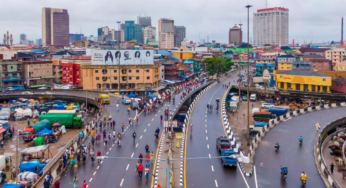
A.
pixel 145 21
pixel 103 34
pixel 117 35
pixel 149 34
pixel 76 37
pixel 179 35
pixel 55 27
pixel 271 26
pixel 132 31
pixel 166 33
pixel 22 37
pixel 38 41
pixel 235 35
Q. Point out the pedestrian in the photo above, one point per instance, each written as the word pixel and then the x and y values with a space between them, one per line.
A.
pixel 2 144
pixel 57 184
pixel 99 155
pixel 93 141
pixel 75 182
pixel 152 157
pixel 146 172
pixel 332 167
pixel 92 155
pixel 158 186
pixel 140 157
pixel 252 105
pixel 122 127
pixel 129 121
pixel 92 132
pixel 120 137
pixel 317 126
pixel 140 170
pixel 147 157
pixel 146 148
pixel 106 141
pixel 85 184
pixel 28 122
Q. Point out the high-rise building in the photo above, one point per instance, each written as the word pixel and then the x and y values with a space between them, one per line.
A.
pixel 271 26
pixel 117 35
pixel 145 21
pixel 235 35
pixel 103 34
pixel 55 27
pixel 38 41
pixel 132 31
pixel 149 34
pixel 166 33
pixel 179 35
pixel 22 37
pixel 76 37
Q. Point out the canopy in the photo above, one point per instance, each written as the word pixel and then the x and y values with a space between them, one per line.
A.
pixel 29 167
pixel 12 186
pixel 151 95
pixel 132 95
pixel 34 149
pixel 28 176
pixel 45 132
pixel 122 94
pixel 56 125
pixel 39 141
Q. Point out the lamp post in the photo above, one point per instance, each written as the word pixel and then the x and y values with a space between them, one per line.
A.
pixel 119 55
pixel 248 77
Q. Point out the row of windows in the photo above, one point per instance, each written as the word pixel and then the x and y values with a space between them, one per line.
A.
pixel 104 78
pixel 42 72
pixel 38 66
pixel 105 71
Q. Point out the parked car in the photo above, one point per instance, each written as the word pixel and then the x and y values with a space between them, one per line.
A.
pixel 42 88
pixel 27 93
pixel 126 100
pixel 267 105
pixel 134 105
pixel 244 98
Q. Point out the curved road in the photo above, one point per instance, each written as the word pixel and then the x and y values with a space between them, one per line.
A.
pixel 296 158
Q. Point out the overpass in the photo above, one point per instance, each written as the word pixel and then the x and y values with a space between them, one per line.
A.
pixel 294 94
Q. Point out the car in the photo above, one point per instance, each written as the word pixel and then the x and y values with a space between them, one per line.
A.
pixel 267 105
pixel 42 88
pixel 134 105
pixel 244 98
pixel 47 93
pixel 222 143
pixel 27 93
pixel 127 100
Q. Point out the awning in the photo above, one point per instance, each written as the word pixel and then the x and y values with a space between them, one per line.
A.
pixel 49 77
pixel 34 86
pixel 2 130
pixel 12 80
pixel 35 149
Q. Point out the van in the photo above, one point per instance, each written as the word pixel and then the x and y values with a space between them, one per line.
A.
pixel 5 113
pixel 105 99
pixel 253 97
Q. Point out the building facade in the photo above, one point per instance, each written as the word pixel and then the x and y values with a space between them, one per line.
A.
pixel 103 34
pixel 166 33
pixel 271 26
pixel 117 35
pixel 321 64
pixel 179 35
pixel 71 70
pixel 132 31
pixel 38 73
pixel 335 55
pixel 149 34
pixel 76 37
pixel 145 21
pixel 301 65
pixel 57 72
pixel 11 73
pixel 235 35
pixel 39 42
pixel 284 65
pixel 339 85
pixel 55 27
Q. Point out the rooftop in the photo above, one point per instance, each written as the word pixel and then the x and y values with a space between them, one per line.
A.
pixel 79 58
pixel 320 60
pixel 303 50
pixel 283 56
pixel 301 73
pixel 340 80
pixel 244 45
pixel 264 64
pixel 313 56
pixel 161 52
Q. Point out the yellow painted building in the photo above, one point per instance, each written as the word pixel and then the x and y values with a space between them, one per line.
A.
pixel 183 53
pixel 132 77
pixel 285 66
pixel 340 66
pixel 266 61
pixel 303 81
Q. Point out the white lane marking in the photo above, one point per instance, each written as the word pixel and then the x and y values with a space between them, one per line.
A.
pixel 98 167
pixel 212 168
pixel 101 162
pixel 132 155
pixel 247 185
pixel 209 156
pixel 216 184
pixel 127 166
pixel 149 124
pixel 94 173
pixel 206 120
pixel 90 179
pixel 107 153
pixel 206 131
pixel 137 145
pixel 208 146
pixel 205 125
pixel 121 183
pixel 205 115
pixel 155 115
pixel 255 176
pixel 152 119
pixel 140 137
pixel 110 149
pixel 113 145
pixel 145 130
pixel 207 138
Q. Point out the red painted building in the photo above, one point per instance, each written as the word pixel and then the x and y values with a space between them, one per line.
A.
pixel 71 70
pixel 339 85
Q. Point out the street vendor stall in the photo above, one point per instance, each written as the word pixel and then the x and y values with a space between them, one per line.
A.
pixel 27 152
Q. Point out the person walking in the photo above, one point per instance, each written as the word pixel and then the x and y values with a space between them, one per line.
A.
pixel 317 126
pixel 146 148
pixel 85 184
pixel 146 171
pixel 332 167
pixel 99 155
pixel 140 170
pixel 57 184
pixel 140 157
pixel 152 157
pixel 75 182
pixel 122 127
pixel 120 137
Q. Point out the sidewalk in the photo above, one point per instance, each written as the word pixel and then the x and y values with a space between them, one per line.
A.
pixel 162 167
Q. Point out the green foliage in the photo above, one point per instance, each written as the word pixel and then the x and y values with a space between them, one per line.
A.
pixel 217 65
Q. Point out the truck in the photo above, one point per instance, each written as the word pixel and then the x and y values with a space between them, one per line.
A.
pixel 105 99
pixel 233 106
pixel 5 113
pixel 277 111
pixel 262 116
pixel 29 132
pixel 229 158
pixel 68 120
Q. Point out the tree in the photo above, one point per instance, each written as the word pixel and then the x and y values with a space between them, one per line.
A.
pixel 218 65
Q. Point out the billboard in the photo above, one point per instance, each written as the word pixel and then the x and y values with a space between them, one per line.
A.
pixel 126 57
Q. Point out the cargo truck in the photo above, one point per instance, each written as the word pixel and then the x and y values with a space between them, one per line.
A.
pixel 68 120
pixel 228 158
pixel 277 111
pixel 29 132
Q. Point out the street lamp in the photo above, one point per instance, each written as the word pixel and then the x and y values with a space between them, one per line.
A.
pixel 248 77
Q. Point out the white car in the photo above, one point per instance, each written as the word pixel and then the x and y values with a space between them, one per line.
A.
pixel 27 93
pixel 47 93
pixel 126 100
pixel 136 99
pixel 42 88
pixel 267 105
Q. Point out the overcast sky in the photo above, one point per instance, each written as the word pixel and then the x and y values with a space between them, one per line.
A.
pixel 310 20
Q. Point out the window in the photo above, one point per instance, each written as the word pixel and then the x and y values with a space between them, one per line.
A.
pixel 104 78
pixel 96 71
pixel 47 65
pixel 147 70
pixel 130 71
pixel 115 71
pixel 32 66
pixel 137 78
pixel 137 71
pixel 280 76
pixel 104 71
pixel 11 67
pixel 130 78
pixel 148 77
pixel 324 79
pixel 97 78
pixel 98 86
pixel 42 65
pixel 38 66
pixel 115 78
pixel 47 71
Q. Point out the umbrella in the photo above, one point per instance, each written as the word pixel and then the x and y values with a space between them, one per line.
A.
pixel 31 100
pixel 151 95
pixel 122 94
pixel 56 125
pixel 132 95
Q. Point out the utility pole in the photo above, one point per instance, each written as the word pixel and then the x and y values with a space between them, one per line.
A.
pixel 119 55
pixel 17 159
pixel 241 39
pixel 86 100
pixel 248 77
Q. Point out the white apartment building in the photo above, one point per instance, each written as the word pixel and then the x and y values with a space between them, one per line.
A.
pixel 336 55
pixel 149 33
pixel 166 40
pixel 270 26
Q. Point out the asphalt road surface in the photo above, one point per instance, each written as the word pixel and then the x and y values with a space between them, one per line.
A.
pixel 296 158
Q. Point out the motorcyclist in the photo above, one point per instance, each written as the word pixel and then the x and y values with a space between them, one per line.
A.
pixel 301 139
pixel 303 177
pixel 277 145
pixel 284 170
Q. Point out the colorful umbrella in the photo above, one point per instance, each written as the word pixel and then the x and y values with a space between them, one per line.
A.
pixel 56 125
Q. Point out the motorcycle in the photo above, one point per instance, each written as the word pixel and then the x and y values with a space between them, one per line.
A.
pixel 303 183
pixel 283 176
pixel 300 142
pixel 276 148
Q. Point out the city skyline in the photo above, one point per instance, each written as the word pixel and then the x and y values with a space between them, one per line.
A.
pixel 306 22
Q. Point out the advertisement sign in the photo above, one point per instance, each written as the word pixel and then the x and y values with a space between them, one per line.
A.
pixel 126 57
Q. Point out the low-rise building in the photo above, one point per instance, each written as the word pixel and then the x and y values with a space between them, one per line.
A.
pixel 227 54
pixel 286 58
pixel 266 61
pixel 272 55
pixel 339 85
pixel 301 65
pixel 340 66
pixel 284 65
pixel 171 69
pixel 310 57
pixel 313 51
pixel 57 72
pixel 303 81
pixel 38 73
pixel 335 55
pixel 71 69
pixel 11 73
pixel 261 67
pixel 183 53
pixel 321 64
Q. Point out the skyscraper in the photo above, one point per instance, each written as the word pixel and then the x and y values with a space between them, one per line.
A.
pixel 103 34
pixel 38 41
pixel 145 21
pixel 132 31
pixel 179 35
pixel 166 33
pixel 117 35
pixel 271 26
pixel 55 27
pixel 22 37
pixel 76 37
pixel 235 35
pixel 149 34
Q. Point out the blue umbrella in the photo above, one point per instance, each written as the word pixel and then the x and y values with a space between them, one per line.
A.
pixel 151 95
pixel 132 95
pixel 122 94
